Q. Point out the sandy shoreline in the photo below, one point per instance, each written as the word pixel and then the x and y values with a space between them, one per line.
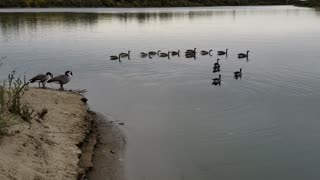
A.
pixel 67 143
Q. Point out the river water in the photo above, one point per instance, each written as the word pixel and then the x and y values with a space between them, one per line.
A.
pixel 264 126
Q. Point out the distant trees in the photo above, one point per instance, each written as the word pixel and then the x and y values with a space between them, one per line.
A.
pixel 134 3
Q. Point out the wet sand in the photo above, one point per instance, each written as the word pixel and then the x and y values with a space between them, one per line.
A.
pixel 108 154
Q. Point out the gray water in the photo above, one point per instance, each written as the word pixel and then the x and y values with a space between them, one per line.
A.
pixel 265 126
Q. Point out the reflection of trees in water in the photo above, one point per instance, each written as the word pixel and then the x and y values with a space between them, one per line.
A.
pixel 17 22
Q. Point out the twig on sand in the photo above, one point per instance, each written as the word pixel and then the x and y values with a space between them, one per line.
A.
pixel 80 91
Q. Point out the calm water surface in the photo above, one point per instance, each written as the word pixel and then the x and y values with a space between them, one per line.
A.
pixel 265 126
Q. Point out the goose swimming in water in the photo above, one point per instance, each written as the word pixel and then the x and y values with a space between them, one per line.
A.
pixel 242 55
pixel 220 53
pixel 113 58
pixel 238 74
pixel 217 81
pixel 175 53
pixel 62 79
pixel 165 54
pixel 143 54
pixel 203 52
pixel 41 79
pixel 123 55
pixel 191 55
pixel 191 50
pixel 153 53
pixel 216 64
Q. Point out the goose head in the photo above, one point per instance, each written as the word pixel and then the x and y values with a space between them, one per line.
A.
pixel 240 70
pixel 68 73
pixel 49 74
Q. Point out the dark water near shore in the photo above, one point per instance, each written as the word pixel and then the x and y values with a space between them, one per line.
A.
pixel 263 127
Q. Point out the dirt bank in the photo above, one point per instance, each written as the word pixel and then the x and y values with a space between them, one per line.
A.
pixel 58 145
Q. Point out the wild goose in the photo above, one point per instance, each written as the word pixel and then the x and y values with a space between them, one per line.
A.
pixel 113 58
pixel 220 53
pixel 153 53
pixel 162 54
pixel 203 52
pixel 217 81
pixel 175 53
pixel 143 54
pixel 216 64
pixel 191 55
pixel 124 55
pixel 191 50
pixel 238 74
pixel 41 78
pixel 62 79
pixel 242 55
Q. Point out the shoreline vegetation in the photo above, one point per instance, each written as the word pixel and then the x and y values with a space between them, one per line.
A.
pixel 49 134
pixel 137 3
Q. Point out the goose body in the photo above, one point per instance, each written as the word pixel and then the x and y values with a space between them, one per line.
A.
pixel 238 74
pixel 162 54
pixel 143 54
pixel 203 52
pixel 175 53
pixel 191 55
pixel 243 55
pixel 62 79
pixel 191 50
pixel 217 81
pixel 153 53
pixel 113 58
pixel 124 55
pixel 41 78
pixel 220 53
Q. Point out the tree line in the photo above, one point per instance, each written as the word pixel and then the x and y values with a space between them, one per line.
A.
pixel 135 3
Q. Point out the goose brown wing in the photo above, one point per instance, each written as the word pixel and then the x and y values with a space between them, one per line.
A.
pixel 39 77
pixel 59 79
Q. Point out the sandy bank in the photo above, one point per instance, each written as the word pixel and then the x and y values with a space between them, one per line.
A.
pixel 57 146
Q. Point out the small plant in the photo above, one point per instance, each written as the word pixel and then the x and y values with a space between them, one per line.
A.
pixel 15 91
pixel 11 105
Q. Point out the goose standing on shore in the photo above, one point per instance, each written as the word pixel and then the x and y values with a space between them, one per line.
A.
pixel 203 52
pixel 62 79
pixel 238 74
pixel 124 55
pixel 220 53
pixel 41 79
pixel 243 55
